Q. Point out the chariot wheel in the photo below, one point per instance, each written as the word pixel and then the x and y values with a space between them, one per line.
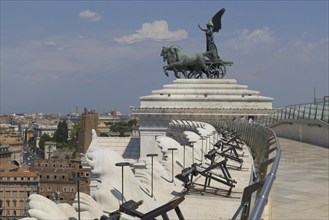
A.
pixel 216 70
pixel 213 70
pixel 221 71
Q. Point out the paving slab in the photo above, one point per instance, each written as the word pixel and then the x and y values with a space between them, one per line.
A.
pixel 300 190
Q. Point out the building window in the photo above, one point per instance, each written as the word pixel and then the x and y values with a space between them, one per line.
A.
pixel 7 194
pixel 21 194
pixel 14 194
pixel 55 177
pixel 21 203
pixel 14 203
pixel 1 194
pixel 40 176
pixel 7 203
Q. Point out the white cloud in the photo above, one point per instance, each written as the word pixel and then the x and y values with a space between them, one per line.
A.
pixel 248 41
pixel 90 15
pixel 156 31
pixel 303 51
pixel 50 43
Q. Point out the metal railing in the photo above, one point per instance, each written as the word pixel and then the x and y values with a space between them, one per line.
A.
pixel 319 110
pixel 262 142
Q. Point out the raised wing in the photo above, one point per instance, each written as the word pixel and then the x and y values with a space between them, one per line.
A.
pixel 216 20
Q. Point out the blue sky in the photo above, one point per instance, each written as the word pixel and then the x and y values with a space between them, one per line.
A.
pixel 104 55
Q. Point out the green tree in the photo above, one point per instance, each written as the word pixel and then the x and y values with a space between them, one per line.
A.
pixel 132 123
pixel 74 134
pixel 121 127
pixel 103 134
pixel 31 142
pixel 43 139
pixel 61 134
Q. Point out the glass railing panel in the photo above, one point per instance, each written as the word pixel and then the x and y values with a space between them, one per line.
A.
pixel 285 113
pixel 325 112
pixel 319 110
pixel 312 111
pixel 301 111
pixel 296 111
pixel 289 110
pixel 293 112
pixel 307 111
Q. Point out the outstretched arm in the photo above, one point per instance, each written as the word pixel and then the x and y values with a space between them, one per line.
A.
pixel 201 28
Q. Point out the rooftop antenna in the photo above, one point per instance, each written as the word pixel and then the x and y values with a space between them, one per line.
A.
pixel 314 99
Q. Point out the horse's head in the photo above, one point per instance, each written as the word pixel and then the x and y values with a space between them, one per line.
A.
pixel 164 53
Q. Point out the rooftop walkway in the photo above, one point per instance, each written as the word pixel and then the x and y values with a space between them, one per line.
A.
pixel 300 190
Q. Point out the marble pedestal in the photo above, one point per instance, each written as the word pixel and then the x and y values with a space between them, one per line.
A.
pixel 197 100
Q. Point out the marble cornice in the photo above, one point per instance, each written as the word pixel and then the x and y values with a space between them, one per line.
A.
pixel 153 110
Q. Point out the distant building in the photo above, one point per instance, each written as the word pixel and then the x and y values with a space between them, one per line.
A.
pixel 5 152
pixel 14 144
pixel 16 185
pixel 50 147
pixel 103 128
pixel 41 129
pixel 89 121
pixel 58 179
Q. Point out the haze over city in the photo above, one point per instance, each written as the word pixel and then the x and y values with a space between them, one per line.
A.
pixel 104 55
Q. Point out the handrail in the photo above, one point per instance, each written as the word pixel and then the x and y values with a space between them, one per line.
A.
pixel 262 142
pixel 259 139
pixel 263 195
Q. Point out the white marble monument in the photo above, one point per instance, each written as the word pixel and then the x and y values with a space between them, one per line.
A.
pixel 197 100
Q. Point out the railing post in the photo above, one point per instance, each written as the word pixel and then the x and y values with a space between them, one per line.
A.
pixel 152 155
pixel 122 165
pixel 172 164
pixel 192 145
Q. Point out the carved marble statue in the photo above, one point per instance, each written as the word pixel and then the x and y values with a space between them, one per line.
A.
pixel 107 196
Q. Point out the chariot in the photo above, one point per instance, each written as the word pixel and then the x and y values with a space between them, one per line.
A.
pixel 195 65
pixel 217 68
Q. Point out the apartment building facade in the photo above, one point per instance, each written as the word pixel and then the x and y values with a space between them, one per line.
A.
pixel 16 185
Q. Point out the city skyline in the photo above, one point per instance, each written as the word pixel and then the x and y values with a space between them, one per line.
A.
pixel 104 55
